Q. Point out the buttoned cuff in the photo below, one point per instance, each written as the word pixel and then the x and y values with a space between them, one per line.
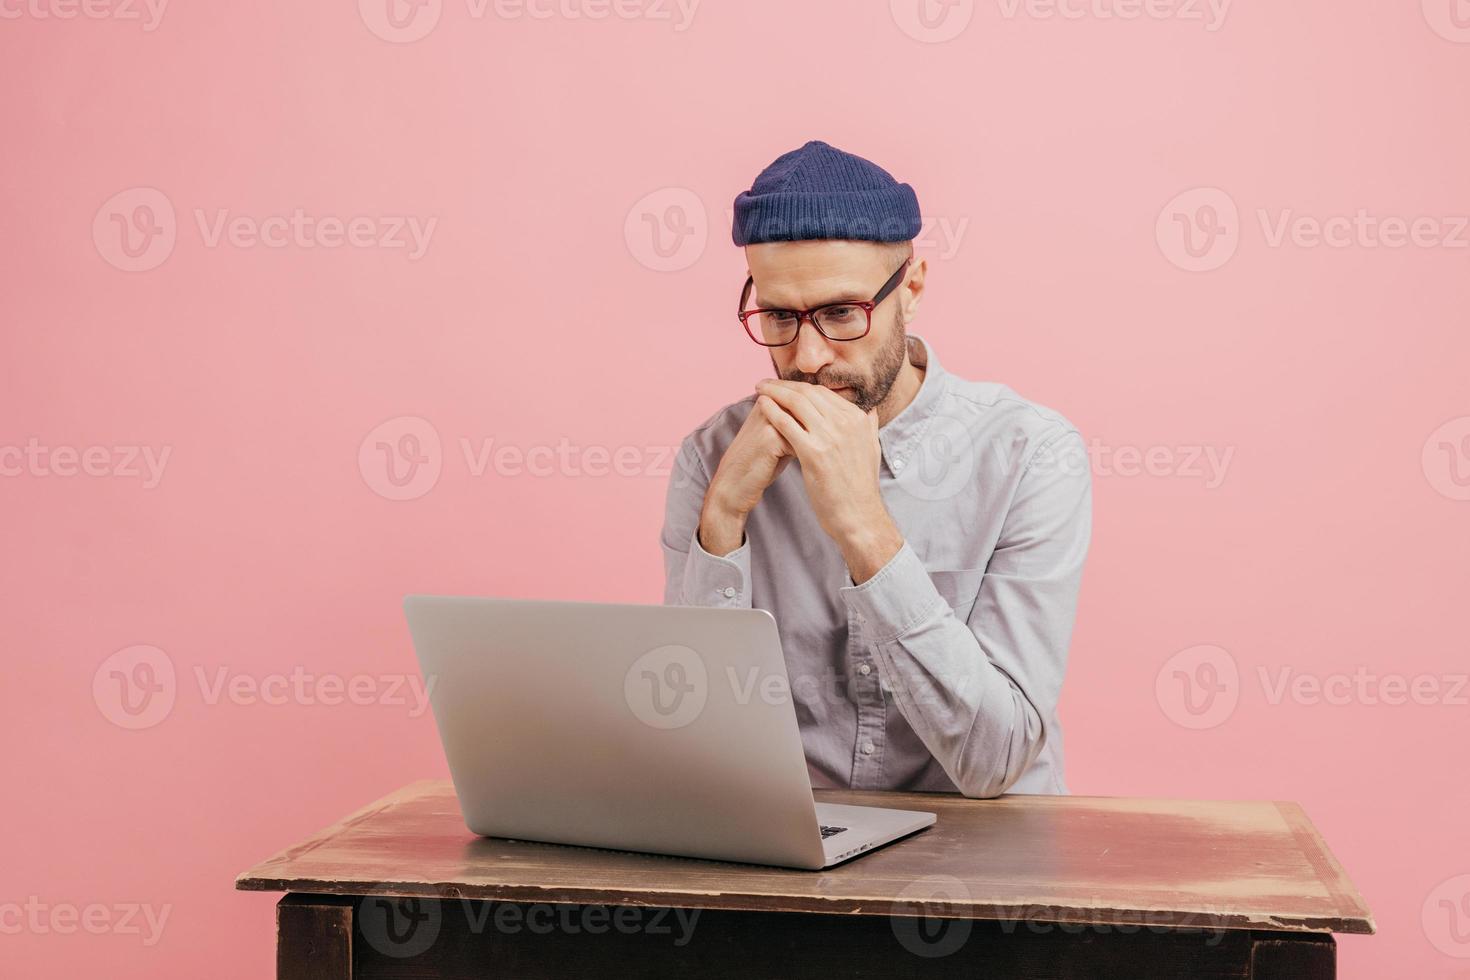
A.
pixel 895 599
pixel 717 580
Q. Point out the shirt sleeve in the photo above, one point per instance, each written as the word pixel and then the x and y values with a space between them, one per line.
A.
pixel 693 576
pixel 982 692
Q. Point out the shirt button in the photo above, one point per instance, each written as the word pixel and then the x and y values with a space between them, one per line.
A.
pixel 728 592
pixel 865 669
pixel 897 465
pixel 867 748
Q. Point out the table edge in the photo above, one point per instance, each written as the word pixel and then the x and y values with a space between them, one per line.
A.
pixel 811 904
pixel 257 878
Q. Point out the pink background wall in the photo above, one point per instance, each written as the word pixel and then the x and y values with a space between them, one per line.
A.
pixel 1326 381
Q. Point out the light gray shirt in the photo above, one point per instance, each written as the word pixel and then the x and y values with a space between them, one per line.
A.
pixel 942 671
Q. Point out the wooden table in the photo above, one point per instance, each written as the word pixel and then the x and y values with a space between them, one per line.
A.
pixel 1022 886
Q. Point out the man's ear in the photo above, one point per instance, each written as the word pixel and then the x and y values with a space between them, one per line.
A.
pixel 914 290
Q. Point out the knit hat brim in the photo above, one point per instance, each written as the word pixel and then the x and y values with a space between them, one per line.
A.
pixel 881 214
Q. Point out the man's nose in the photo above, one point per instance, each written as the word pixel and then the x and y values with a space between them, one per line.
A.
pixel 813 351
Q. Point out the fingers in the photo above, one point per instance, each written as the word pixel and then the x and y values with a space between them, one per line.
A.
pixel 797 437
pixel 828 398
pixel 831 404
pixel 774 439
pixel 800 400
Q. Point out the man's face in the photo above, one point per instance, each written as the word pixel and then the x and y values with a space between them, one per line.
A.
pixel 803 275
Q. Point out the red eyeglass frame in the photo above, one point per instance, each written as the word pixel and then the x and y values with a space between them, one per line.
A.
pixel 811 314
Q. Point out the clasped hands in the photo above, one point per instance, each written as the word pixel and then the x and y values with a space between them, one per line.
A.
pixel 837 444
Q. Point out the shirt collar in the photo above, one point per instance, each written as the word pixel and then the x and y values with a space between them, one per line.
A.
pixel 901 435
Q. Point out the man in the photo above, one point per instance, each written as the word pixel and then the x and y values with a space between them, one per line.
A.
pixel 918 537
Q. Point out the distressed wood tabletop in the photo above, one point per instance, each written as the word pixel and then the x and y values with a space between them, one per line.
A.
pixel 1071 859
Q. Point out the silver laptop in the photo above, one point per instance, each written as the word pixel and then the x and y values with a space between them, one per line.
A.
pixel 668 729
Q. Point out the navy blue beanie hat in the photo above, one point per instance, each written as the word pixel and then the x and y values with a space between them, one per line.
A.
pixel 819 191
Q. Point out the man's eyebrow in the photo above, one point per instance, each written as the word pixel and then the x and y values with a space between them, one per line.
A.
pixel 850 296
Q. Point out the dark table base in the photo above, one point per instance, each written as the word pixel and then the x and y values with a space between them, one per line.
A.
pixel 326 937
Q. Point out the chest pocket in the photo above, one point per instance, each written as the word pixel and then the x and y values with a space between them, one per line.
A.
pixel 959 587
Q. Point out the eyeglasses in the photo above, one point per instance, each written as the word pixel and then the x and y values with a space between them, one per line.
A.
pixel 835 321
